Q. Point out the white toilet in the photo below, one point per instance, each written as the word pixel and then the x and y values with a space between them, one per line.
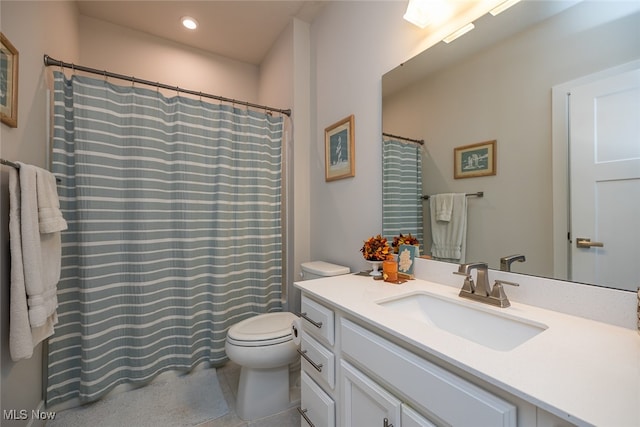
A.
pixel 263 347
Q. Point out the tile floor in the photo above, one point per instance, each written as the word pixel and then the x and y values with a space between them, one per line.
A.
pixel 228 376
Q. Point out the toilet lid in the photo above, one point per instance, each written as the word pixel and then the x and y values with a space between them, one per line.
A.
pixel 263 327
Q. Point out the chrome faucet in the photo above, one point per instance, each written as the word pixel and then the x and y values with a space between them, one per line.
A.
pixel 482 291
pixel 506 261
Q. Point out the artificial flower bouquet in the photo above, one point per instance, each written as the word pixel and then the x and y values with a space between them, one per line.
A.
pixel 403 240
pixel 375 248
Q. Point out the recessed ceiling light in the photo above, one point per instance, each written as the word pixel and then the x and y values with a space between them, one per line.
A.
pixel 189 22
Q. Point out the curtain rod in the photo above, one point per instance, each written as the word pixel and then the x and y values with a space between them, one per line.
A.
pixel 49 61
pixel 417 141
pixel 478 194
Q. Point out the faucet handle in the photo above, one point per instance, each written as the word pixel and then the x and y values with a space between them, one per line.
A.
pixel 504 282
pixel 498 292
pixel 468 285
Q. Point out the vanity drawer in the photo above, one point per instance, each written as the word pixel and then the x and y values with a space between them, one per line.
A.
pixel 317 361
pixel 432 388
pixel 316 407
pixel 318 320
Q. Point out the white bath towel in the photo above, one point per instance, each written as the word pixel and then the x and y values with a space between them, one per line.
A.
pixel 35 261
pixel 449 238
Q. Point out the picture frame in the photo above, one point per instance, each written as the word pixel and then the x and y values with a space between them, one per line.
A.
pixel 8 82
pixel 407 255
pixel 475 160
pixel 339 147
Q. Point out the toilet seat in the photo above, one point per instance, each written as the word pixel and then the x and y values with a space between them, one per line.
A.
pixel 263 330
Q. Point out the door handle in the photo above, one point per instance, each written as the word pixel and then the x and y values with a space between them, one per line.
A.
pixel 583 242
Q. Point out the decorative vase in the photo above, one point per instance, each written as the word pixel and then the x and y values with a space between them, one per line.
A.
pixel 375 265
pixel 390 270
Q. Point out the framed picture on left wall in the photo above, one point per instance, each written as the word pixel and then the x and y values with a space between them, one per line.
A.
pixel 339 150
pixel 8 83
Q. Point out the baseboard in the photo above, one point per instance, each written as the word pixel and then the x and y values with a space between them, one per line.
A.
pixel 39 416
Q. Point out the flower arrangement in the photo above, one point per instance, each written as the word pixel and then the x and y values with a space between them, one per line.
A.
pixel 375 248
pixel 403 240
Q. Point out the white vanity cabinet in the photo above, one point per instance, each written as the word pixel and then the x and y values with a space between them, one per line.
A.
pixel 354 376
pixel 318 376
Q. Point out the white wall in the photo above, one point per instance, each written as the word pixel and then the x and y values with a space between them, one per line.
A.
pixel 353 45
pixel 35 29
pixel 284 83
pixel 106 46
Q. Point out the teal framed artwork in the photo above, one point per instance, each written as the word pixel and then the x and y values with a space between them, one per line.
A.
pixel 474 160
pixel 407 255
pixel 8 83
pixel 340 160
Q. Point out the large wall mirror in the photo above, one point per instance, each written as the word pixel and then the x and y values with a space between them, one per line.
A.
pixel 503 81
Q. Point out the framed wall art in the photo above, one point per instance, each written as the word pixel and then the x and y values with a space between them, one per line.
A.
pixel 339 147
pixel 407 255
pixel 474 160
pixel 8 83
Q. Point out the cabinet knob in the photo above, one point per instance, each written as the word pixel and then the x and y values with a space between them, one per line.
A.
pixel 385 423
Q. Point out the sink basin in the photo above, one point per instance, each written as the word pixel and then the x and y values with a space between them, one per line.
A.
pixel 499 331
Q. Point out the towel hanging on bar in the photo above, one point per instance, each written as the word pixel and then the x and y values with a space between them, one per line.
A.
pixel 9 163
pixel 15 165
pixel 478 194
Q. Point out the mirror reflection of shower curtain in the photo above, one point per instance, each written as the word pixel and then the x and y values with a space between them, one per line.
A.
pixel 174 207
pixel 402 190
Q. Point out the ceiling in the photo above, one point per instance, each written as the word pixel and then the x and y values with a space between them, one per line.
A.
pixel 243 30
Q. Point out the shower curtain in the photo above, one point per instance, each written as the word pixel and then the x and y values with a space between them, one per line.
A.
pixel 174 212
pixel 402 190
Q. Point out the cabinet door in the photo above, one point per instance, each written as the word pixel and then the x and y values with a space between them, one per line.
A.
pixel 411 418
pixel 316 407
pixel 365 403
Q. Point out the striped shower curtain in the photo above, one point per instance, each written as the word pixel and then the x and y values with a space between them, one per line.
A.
pixel 402 190
pixel 174 207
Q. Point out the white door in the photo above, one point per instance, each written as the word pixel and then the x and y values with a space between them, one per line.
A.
pixel 604 151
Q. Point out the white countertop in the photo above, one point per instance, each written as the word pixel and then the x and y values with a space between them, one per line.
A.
pixel 584 371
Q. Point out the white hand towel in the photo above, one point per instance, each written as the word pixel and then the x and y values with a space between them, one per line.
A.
pixel 35 262
pixel 443 204
pixel 49 215
pixel 449 239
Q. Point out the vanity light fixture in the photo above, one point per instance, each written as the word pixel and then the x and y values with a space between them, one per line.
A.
pixel 424 12
pixel 189 22
pixel 502 7
pixel 464 30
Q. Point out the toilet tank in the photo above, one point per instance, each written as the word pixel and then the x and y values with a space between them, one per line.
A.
pixel 318 269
